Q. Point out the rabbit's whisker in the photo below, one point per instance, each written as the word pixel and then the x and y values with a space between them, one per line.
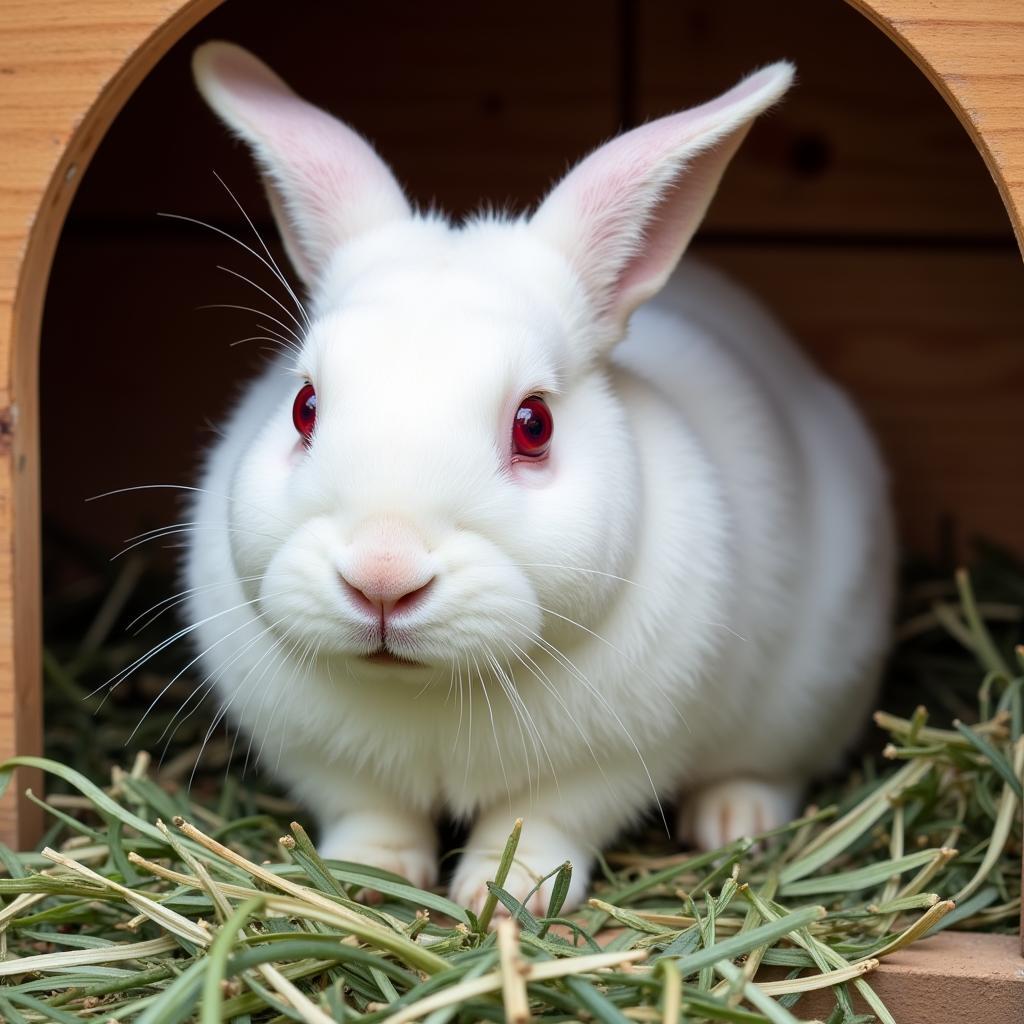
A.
pixel 458 731
pixel 575 568
pixel 116 680
pixel 274 340
pixel 499 676
pixel 190 489
pixel 545 680
pixel 258 312
pixel 451 684
pixel 270 658
pixel 167 603
pixel 494 732
pixel 275 269
pixel 659 686
pixel 599 697
pixel 296 666
pixel 622 579
pixel 286 342
pixel 205 687
pixel 308 670
pixel 223 710
pixel 263 291
pixel 182 671
pixel 469 725
pixel 182 528
pixel 523 714
pixel 271 265
pixel 534 668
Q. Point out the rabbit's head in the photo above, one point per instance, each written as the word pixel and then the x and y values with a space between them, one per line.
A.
pixel 450 476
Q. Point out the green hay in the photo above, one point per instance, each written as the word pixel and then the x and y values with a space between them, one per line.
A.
pixel 150 902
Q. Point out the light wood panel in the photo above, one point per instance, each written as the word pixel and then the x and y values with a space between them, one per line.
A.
pixel 65 69
pixel 973 53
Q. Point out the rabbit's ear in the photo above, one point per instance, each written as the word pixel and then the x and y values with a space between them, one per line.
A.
pixel 624 215
pixel 326 184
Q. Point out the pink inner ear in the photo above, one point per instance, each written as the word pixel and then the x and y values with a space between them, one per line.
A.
pixel 314 143
pixel 626 213
pixel 325 179
pixel 674 219
pixel 637 196
pixel 319 157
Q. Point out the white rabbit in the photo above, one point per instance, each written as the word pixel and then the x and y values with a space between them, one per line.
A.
pixel 495 539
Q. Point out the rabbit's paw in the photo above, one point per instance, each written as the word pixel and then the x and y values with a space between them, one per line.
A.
pixel 409 853
pixel 724 811
pixel 478 867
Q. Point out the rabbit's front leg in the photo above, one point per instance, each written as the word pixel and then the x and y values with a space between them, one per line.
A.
pixel 367 824
pixel 569 823
pixel 389 838
pixel 543 847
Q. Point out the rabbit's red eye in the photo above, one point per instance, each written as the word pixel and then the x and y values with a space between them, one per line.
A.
pixel 532 428
pixel 304 412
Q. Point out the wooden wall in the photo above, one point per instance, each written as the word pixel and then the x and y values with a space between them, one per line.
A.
pixel 860 210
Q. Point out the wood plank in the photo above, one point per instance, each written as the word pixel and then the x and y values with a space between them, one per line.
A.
pixel 152 380
pixel 863 145
pixel 477 105
pixel 961 977
pixel 973 52
pixel 66 67
pixel 928 341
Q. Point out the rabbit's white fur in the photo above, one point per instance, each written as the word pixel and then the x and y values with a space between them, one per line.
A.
pixel 689 597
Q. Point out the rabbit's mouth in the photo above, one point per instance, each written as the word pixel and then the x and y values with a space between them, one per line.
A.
pixel 382 656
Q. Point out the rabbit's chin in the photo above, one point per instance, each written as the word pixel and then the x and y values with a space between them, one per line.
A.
pixel 383 666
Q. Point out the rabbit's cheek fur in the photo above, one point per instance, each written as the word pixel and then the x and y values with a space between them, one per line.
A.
pixel 577 532
pixel 261 502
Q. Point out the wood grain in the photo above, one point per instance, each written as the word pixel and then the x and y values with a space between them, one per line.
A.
pixel 863 145
pixel 973 52
pixel 475 106
pixel 66 69
pixel 927 341
pixel 933 356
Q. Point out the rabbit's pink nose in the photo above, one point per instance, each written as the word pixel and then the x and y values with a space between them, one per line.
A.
pixel 387 569
pixel 383 592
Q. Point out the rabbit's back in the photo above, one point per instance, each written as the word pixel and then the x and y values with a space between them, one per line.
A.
pixel 810 525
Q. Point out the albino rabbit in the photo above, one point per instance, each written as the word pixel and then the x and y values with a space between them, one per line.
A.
pixel 496 539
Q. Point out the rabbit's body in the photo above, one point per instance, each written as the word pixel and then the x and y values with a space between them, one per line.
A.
pixel 688 596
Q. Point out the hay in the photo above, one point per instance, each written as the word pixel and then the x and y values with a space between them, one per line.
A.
pixel 152 902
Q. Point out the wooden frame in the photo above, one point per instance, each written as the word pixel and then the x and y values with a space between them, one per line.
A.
pixel 68 67
pixel 67 70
